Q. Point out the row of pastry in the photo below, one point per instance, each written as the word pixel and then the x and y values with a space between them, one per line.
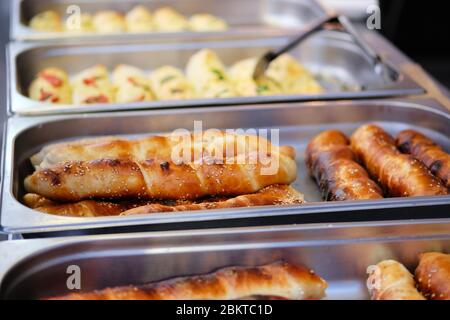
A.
pixel 372 164
pixel 388 280
pixel 206 77
pixel 138 19
pixel 115 176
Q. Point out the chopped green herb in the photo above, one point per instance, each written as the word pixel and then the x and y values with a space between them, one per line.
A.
pixel 218 73
pixel 167 78
pixel 262 88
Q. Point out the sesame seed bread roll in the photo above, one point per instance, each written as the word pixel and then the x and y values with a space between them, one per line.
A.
pixel 218 144
pixel 425 150
pixel 399 174
pixel 333 165
pixel 158 179
pixel 272 195
pixel 281 279
pixel 390 280
pixel 433 275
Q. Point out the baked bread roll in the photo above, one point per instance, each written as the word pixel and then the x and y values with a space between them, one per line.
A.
pixel 159 178
pixel 51 85
pixel 49 21
pixel 280 279
pixel 293 77
pixel 426 151
pixel 191 147
pixel 167 19
pixel 208 75
pixel 433 275
pixel 399 174
pixel 92 85
pixel 390 280
pixel 272 195
pixel 139 19
pixel 87 208
pixel 241 75
pixel 84 25
pixel 333 165
pixel 206 22
pixel 109 21
pixel 131 84
pixel 169 83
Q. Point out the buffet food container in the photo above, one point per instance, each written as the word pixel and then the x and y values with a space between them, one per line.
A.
pixel 244 17
pixel 343 69
pixel 297 124
pixel 340 253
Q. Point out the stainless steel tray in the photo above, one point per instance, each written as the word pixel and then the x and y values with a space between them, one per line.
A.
pixel 340 253
pixel 252 18
pixel 331 55
pixel 297 123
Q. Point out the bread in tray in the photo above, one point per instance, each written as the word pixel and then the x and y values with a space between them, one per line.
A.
pixel 271 195
pixel 391 280
pixel 281 280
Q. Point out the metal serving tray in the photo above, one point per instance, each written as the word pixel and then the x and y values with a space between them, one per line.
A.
pixel 297 124
pixel 341 66
pixel 340 253
pixel 245 17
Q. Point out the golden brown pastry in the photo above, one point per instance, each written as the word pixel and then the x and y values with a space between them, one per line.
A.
pixel 280 279
pixel 433 275
pixel 86 208
pixel 332 163
pixel 158 178
pixel 390 280
pixel 428 152
pixel 401 175
pixel 218 144
pixel 272 195
pixel 51 85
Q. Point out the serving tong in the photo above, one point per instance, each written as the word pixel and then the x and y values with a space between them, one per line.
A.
pixel 329 22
